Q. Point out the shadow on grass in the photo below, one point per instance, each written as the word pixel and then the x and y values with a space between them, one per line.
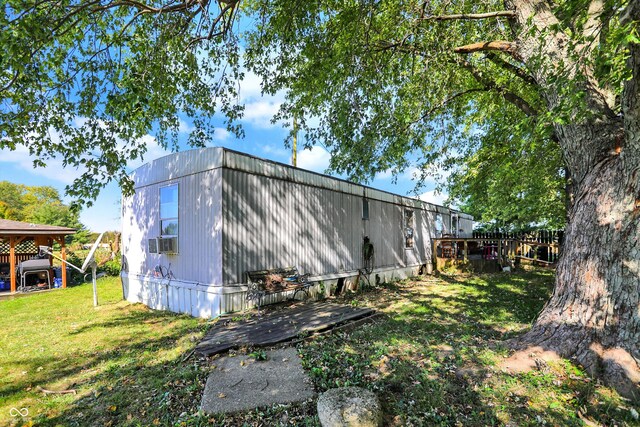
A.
pixel 432 360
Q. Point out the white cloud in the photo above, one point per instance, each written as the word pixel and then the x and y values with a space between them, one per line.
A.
pixel 276 152
pixel 414 174
pixel 259 108
pixel 259 113
pixel 388 174
pixel 434 196
pixel 221 134
pixel 154 151
pixel 54 170
pixel 250 87
pixel 317 159
pixel 184 127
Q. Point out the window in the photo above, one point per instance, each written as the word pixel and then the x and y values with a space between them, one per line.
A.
pixel 454 224
pixel 365 208
pixel 408 228
pixel 169 210
pixel 439 225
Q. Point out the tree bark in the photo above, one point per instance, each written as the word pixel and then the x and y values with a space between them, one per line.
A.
pixel 593 316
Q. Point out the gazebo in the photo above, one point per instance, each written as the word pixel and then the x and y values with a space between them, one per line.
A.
pixel 19 242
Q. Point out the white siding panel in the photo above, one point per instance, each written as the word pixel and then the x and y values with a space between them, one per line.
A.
pixel 178 165
pixel 272 223
pixel 199 255
pixel 239 213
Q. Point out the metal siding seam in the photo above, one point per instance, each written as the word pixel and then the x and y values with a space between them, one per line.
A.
pixel 241 193
pixel 317 231
pixel 223 230
pixel 268 200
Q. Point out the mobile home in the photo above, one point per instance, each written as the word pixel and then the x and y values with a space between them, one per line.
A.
pixel 200 219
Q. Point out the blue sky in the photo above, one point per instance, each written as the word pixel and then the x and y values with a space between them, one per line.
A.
pixel 263 139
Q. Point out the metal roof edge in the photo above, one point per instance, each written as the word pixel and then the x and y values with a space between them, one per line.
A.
pixel 367 191
pixel 200 160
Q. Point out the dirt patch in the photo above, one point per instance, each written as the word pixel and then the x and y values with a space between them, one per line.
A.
pixel 443 352
pixel 532 358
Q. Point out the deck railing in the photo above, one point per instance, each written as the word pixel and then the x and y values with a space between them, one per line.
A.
pixel 537 236
pixel 501 249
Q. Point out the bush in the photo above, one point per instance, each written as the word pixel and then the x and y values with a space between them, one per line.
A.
pixel 112 267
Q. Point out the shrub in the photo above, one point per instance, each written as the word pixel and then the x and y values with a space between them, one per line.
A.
pixel 112 267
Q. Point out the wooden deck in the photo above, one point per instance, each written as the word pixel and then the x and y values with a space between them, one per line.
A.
pixel 485 255
pixel 279 326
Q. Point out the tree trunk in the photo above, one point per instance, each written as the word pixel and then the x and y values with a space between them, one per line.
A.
pixel 593 316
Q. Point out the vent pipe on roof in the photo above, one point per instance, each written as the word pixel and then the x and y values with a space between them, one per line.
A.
pixel 294 157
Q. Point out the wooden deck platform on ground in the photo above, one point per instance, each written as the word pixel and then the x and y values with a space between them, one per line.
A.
pixel 279 326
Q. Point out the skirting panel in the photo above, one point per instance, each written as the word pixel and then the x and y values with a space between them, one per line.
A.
pixel 209 301
pixel 195 299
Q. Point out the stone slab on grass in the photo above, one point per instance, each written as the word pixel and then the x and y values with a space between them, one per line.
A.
pixel 241 383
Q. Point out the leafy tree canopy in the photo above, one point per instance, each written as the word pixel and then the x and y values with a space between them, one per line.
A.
pixel 383 85
pixel 515 183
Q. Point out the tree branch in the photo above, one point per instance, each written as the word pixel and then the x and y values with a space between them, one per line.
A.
pixel 465 16
pixel 11 82
pixel 594 19
pixel 496 59
pixel 142 7
pixel 230 6
pixel 630 13
pixel 445 102
pixel 516 100
pixel 498 45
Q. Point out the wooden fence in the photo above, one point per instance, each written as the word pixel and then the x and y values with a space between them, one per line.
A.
pixel 538 236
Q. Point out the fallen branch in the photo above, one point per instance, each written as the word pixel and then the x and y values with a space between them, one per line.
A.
pixel 185 358
pixel 45 391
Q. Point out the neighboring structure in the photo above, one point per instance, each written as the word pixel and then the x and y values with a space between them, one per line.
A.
pixel 19 242
pixel 200 219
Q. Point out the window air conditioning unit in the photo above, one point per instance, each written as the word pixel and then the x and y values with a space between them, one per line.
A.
pixel 167 245
pixel 153 246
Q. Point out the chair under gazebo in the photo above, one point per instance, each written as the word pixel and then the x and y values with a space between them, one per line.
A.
pixel 19 248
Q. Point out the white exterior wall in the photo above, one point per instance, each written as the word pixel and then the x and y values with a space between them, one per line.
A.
pixel 197 268
pixel 199 257
pixel 271 222
pixel 239 213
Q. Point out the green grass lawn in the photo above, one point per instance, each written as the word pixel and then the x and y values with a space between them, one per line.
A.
pixel 122 359
pixel 432 358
